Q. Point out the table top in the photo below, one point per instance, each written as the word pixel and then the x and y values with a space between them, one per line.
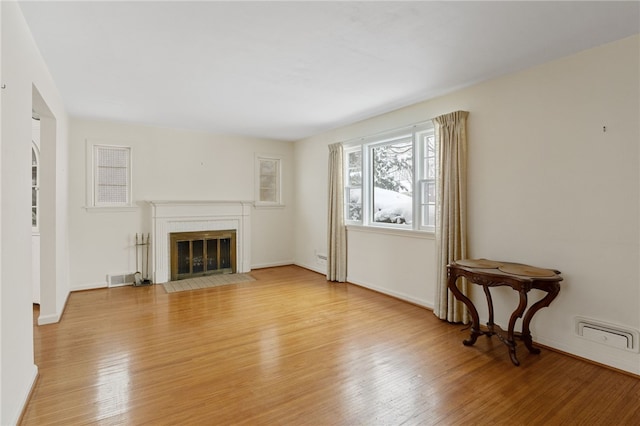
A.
pixel 518 271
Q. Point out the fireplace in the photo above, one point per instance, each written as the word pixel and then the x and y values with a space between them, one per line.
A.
pixel 196 254
pixel 173 217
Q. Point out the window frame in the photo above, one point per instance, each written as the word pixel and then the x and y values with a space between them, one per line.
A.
pixel 92 149
pixel 277 161
pixel 365 147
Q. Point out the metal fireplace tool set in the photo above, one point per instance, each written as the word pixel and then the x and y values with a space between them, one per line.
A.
pixel 142 252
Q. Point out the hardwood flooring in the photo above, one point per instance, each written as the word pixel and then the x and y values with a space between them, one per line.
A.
pixel 292 349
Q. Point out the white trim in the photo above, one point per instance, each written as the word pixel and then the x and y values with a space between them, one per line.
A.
pixel 272 264
pixel 596 352
pixel 54 318
pixel 188 216
pixel 366 145
pixel 91 286
pixel 313 268
pixel 258 157
pixel 400 296
pixel 377 229
pixel 110 209
pixel 24 400
pixel 395 294
pixel 268 206
pixel 49 319
pixel 90 183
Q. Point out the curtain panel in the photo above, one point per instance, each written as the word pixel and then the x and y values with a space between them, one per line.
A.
pixel 336 231
pixel 451 219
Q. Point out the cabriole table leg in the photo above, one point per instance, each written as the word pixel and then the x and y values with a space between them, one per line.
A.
pixel 552 290
pixel 475 319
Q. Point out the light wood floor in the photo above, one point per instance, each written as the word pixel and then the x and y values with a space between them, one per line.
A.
pixel 292 349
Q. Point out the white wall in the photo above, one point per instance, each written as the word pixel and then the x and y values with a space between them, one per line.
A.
pixel 546 186
pixel 22 70
pixel 1 223
pixel 170 164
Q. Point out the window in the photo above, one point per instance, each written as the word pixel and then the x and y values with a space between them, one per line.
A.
pixel 390 180
pixel 268 181
pixel 35 187
pixel 110 176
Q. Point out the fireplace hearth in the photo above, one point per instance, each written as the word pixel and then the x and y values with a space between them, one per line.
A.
pixel 196 254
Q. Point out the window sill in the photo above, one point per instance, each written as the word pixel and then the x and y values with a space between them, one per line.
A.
pixel 115 209
pixel 427 235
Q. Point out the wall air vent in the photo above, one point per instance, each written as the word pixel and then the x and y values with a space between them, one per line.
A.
pixel 119 280
pixel 608 334
pixel 321 259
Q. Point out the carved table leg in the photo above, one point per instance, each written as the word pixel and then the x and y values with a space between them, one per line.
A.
pixel 475 320
pixel 552 291
pixel 490 305
pixel 510 342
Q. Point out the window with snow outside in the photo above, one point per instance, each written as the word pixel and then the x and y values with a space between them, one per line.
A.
pixel 390 180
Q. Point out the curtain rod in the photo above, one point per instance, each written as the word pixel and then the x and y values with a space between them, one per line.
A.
pixel 358 139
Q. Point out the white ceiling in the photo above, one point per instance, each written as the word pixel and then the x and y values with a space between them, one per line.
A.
pixel 288 70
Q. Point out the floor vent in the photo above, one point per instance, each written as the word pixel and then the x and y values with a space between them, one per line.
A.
pixel 120 280
pixel 608 334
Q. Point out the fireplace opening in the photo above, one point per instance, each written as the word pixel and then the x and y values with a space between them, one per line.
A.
pixel 196 254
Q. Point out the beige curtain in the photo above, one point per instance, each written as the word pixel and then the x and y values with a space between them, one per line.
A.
pixel 337 233
pixel 451 220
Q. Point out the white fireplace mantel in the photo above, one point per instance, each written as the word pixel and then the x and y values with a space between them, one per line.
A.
pixel 193 216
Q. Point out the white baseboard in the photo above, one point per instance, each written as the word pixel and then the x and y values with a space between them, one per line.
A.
pixel 600 354
pixel 91 286
pixel 318 268
pixel 49 319
pixel 395 294
pixel 401 296
pixel 54 318
pixel 24 398
pixel 272 264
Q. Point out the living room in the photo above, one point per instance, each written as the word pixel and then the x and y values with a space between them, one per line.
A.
pixel 553 181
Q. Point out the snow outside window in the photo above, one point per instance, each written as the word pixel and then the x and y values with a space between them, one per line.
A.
pixel 353 190
pixel 390 180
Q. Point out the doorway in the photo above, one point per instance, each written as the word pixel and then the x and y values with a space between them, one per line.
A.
pixel 35 206
pixel 44 268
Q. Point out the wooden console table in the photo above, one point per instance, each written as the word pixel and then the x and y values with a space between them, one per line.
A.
pixel 521 278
